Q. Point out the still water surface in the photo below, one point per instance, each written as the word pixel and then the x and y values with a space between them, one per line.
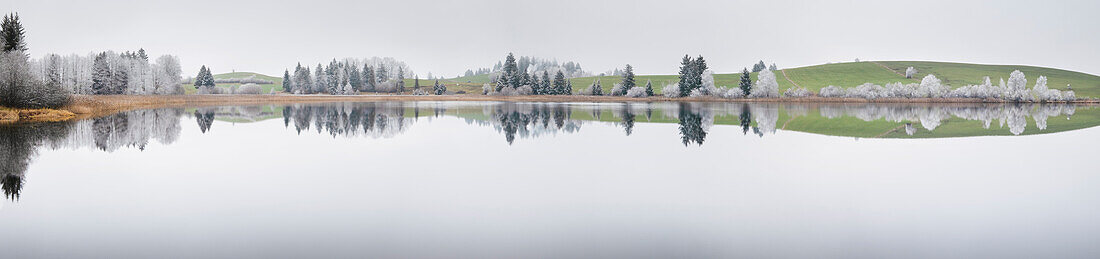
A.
pixel 457 179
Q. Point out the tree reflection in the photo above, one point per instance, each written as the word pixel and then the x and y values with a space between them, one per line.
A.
pixel 205 118
pixel 691 126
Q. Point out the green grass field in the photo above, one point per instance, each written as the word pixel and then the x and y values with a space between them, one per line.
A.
pixel 277 81
pixel 852 74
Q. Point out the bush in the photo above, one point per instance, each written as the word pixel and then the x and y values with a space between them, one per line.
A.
pixel 249 89
pixel 671 90
pixel 796 92
pixel 636 92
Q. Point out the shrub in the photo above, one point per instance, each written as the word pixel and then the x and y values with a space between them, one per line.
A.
pixel 796 92
pixel 636 92
pixel 249 89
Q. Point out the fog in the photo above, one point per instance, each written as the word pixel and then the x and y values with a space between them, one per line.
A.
pixel 448 37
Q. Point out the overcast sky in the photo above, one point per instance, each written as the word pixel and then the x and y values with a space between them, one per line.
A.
pixel 446 37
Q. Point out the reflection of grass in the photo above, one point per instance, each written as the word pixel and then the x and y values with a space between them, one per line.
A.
pixel 277 85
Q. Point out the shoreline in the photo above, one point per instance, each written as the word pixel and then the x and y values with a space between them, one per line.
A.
pixel 86 106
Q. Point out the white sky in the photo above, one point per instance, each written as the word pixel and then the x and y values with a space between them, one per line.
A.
pixel 447 37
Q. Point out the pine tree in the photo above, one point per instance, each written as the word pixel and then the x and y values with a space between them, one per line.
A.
pixel 546 86
pixel 746 82
pixel 759 67
pixel 141 55
pixel 511 72
pixel 535 85
pixel 355 79
pixel 380 72
pixel 400 79
pixel 628 78
pixel 416 82
pixel 286 82
pixel 686 73
pixel 371 79
pixel 101 74
pixel 559 83
pixel 773 67
pixel 12 32
pixel 648 88
pixel 699 67
pixel 331 80
pixel 320 83
pixel 568 90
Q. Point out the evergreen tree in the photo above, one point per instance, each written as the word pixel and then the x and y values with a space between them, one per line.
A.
pixel 101 74
pixel 380 72
pixel 759 67
pixel 597 89
pixel 559 83
pixel 12 32
pixel 400 79
pixel 371 79
pixel 568 90
pixel 332 82
pixel 320 82
pixel 686 73
pixel 628 78
pixel 511 72
pixel 746 82
pixel 773 67
pixel 355 79
pixel 286 82
pixel 416 82
pixel 204 80
pixel 439 88
pixel 648 88
pixel 546 86
pixel 536 86
pixel 141 54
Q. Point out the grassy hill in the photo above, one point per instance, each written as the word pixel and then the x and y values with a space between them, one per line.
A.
pixel 852 74
pixel 277 81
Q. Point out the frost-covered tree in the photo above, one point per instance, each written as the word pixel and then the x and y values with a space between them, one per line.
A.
pixel 687 73
pixel 648 88
pixel 773 67
pixel 746 82
pixel 910 72
pixel 204 81
pixel 287 82
pixel 370 80
pixel 628 77
pixel 759 67
pixel 559 84
pixel 766 85
pixel 355 78
pixel 320 80
pixel 439 89
pixel 400 79
pixel 547 87
pixel 12 33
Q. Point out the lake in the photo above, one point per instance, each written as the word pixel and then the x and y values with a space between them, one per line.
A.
pixel 481 179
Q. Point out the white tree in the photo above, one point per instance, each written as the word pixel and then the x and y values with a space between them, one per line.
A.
pixel 766 85
pixel 910 72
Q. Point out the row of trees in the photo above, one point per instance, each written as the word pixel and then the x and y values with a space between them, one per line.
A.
pixel 344 77
pixel 1014 90
pixel 20 87
pixel 516 81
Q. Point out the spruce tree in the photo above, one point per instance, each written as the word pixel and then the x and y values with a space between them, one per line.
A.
pixel 686 74
pixel 559 83
pixel 535 85
pixel 746 82
pixel 416 82
pixel 355 79
pixel 381 73
pixel 546 86
pixel 12 32
pixel 511 71
pixel 141 54
pixel 286 81
pixel 371 79
pixel 320 80
pixel 400 79
pixel 101 74
pixel 628 78
pixel 648 88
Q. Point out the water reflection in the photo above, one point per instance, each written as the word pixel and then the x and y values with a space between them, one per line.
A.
pixel 135 129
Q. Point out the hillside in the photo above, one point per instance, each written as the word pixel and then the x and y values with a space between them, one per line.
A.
pixel 277 81
pixel 878 72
